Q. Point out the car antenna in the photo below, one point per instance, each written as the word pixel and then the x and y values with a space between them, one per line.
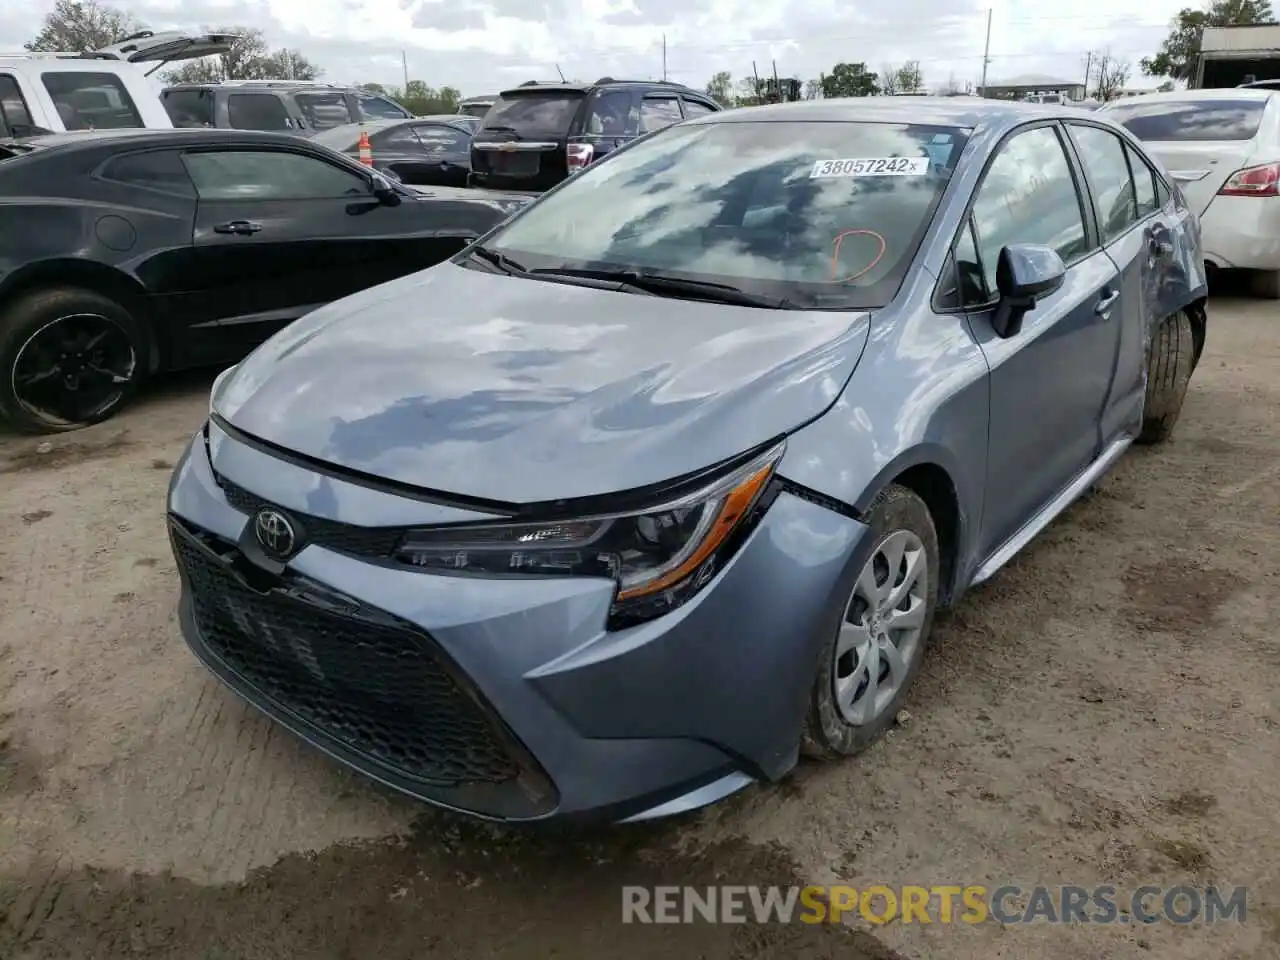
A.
pixel 561 72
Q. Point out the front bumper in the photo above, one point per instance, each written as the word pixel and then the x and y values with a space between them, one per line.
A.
pixel 502 698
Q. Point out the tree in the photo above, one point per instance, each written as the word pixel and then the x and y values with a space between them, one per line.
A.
pixel 850 80
pixel 1109 76
pixel 248 59
pixel 1177 56
pixel 420 99
pixel 720 89
pixel 950 88
pixel 1165 87
pixel 749 93
pixel 75 26
pixel 888 79
pixel 908 77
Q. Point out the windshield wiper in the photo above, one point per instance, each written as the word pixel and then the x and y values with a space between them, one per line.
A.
pixel 657 283
pixel 496 259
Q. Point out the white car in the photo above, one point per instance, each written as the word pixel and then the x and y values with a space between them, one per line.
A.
pixel 1222 147
pixel 99 90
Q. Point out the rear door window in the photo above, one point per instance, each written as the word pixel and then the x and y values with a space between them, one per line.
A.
pixel 14 115
pixel 400 139
pixel 439 138
pixel 189 108
pixel 1144 183
pixel 613 114
pixel 155 170
pixel 1174 120
pixel 1102 154
pixel 323 111
pixel 91 101
pixel 693 108
pixel 257 111
pixel 659 112
pixel 380 108
pixel 533 116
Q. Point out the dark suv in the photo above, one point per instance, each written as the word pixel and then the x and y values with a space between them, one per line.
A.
pixel 304 107
pixel 539 134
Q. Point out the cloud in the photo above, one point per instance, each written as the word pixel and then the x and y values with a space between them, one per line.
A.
pixel 481 46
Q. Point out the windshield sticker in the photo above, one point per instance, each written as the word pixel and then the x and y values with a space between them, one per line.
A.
pixel 872 167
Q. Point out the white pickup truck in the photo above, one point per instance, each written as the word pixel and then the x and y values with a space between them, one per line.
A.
pixel 97 90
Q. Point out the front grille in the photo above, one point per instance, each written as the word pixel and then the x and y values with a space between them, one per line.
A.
pixel 364 678
pixel 342 537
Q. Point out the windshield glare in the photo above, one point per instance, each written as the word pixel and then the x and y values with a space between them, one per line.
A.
pixel 774 208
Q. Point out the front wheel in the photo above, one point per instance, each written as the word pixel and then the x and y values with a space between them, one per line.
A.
pixel 865 670
pixel 68 358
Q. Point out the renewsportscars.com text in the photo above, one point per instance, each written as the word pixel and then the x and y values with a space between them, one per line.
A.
pixel 945 904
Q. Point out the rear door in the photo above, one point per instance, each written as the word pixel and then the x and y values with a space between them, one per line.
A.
pixel 279 232
pixel 1138 240
pixel 16 118
pixel 445 152
pixel 1201 142
pixel 659 110
pixel 612 120
pixel 523 142
pixel 258 111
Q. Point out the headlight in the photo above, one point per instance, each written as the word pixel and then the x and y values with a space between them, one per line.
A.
pixel 659 558
pixel 218 381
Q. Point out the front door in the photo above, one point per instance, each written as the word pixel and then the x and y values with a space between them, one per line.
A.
pixel 279 232
pixel 1048 383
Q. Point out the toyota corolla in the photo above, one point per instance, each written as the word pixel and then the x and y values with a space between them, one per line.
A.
pixel 658 485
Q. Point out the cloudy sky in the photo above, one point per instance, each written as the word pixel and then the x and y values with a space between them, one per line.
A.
pixel 481 46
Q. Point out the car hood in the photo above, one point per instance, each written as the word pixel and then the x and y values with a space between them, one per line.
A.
pixel 522 391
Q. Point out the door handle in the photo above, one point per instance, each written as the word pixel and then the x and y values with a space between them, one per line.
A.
pixel 1106 302
pixel 242 227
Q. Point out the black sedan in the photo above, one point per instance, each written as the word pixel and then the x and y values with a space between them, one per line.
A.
pixel 128 252
pixel 430 151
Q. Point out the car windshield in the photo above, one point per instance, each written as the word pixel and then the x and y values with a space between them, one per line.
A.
pixel 1208 119
pixel 531 115
pixel 822 215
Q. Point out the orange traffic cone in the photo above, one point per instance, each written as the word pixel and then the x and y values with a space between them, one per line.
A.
pixel 366 151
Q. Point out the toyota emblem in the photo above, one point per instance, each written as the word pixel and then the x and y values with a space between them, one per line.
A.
pixel 275 533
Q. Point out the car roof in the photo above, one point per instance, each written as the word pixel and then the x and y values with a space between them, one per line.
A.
pixel 554 87
pixel 967 112
pixel 1183 96
pixel 138 136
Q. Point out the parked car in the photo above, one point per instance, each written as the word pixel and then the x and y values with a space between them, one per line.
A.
pixel 475 106
pixel 103 89
pixel 129 252
pixel 425 150
pixel 1223 149
pixel 662 481
pixel 540 133
pixel 305 107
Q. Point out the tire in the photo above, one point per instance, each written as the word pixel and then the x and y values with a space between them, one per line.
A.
pixel 828 734
pixel 1169 364
pixel 34 315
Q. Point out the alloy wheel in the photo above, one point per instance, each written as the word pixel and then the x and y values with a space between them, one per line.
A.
pixel 73 369
pixel 882 628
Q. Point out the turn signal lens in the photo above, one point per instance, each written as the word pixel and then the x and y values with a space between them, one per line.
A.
pixel 659 558
pixel 1259 181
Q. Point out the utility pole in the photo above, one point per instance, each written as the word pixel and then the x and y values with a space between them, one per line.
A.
pixel 664 57
pixel 404 62
pixel 1088 69
pixel 986 55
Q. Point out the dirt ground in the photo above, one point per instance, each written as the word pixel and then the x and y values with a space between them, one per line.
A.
pixel 1104 711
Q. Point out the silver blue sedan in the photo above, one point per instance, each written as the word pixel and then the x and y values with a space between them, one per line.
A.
pixel 659 485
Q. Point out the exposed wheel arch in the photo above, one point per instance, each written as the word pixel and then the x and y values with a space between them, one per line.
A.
pixel 96 278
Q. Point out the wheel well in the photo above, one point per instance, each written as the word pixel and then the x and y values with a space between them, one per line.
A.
pixel 933 485
pixel 87 275
pixel 1199 317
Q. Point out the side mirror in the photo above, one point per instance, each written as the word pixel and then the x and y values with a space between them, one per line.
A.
pixel 384 190
pixel 1025 274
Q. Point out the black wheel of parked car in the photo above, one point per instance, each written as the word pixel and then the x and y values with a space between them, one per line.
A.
pixel 1169 365
pixel 68 358
pixel 866 669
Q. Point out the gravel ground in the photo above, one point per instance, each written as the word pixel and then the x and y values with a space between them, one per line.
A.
pixel 1104 711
